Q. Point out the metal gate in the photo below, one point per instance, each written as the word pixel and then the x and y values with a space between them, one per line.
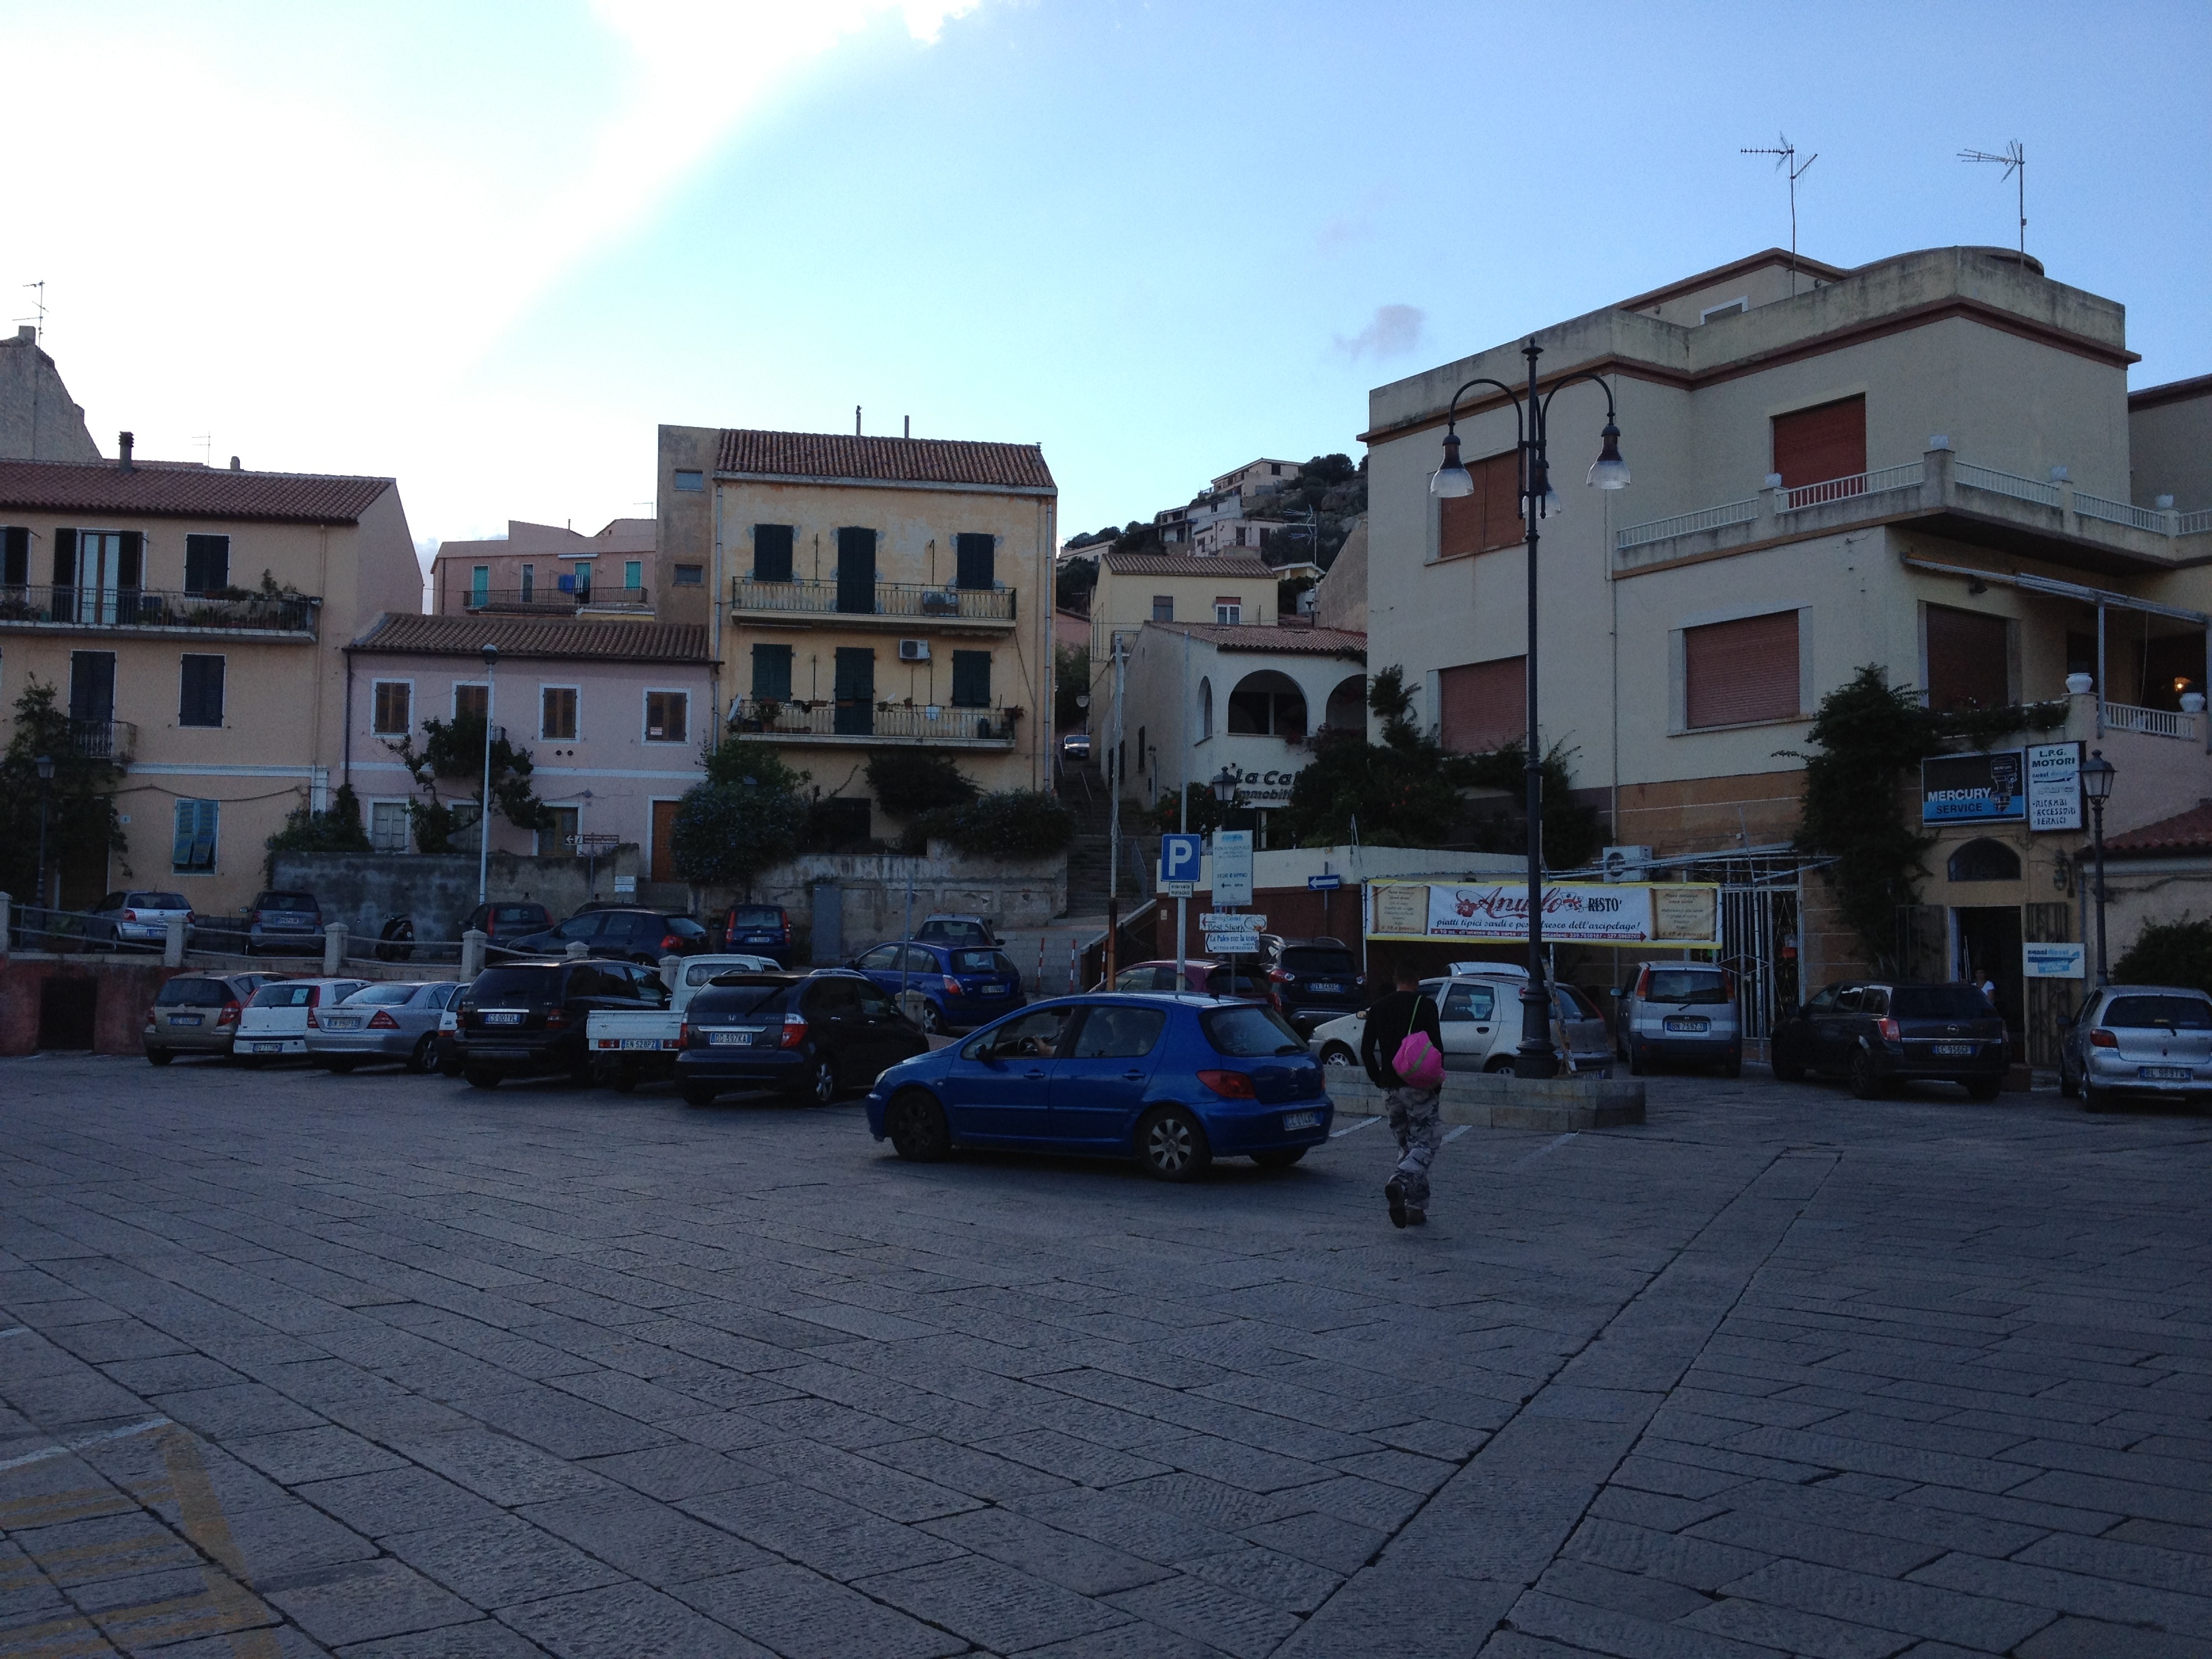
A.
pixel 1758 944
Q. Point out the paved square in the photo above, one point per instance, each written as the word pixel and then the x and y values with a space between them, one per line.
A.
pixel 387 1366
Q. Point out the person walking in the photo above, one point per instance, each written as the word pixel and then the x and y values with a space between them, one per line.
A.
pixel 1412 1105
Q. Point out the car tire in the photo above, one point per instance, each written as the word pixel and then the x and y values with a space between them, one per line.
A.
pixel 1171 1144
pixel 2069 1086
pixel 425 1055
pixel 160 1056
pixel 822 1088
pixel 1985 1088
pixel 340 1065
pixel 1860 1076
pixel 1732 1068
pixel 479 1078
pixel 1500 1063
pixel 1635 1061
pixel 623 1077
pixel 1787 1068
pixel 915 1124
pixel 699 1094
pixel 2095 1099
pixel 1336 1054
pixel 1280 1157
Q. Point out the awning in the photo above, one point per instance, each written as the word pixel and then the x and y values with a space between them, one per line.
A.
pixel 2092 596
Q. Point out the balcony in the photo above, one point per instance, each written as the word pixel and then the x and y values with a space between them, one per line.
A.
pixel 837 724
pixel 2038 518
pixel 2151 722
pixel 879 605
pixel 236 613
pixel 114 741
pixel 549 602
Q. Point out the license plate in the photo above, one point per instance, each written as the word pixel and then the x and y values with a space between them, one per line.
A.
pixel 640 1042
pixel 996 987
pixel 1689 1026
pixel 1301 1120
pixel 1960 1050
pixel 729 1039
pixel 184 1019
pixel 342 1025
pixel 503 1018
pixel 1327 990
pixel 2163 1073
pixel 266 1047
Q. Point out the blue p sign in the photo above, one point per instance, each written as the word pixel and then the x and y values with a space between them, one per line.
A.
pixel 1179 857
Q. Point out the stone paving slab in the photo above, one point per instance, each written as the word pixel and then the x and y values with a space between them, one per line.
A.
pixel 383 1366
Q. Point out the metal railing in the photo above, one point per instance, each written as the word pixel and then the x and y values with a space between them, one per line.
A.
pixel 2006 483
pixel 916 600
pixel 2151 722
pixel 2142 518
pixel 549 601
pixel 2195 523
pixel 1684 524
pixel 1906 475
pixel 767 717
pixel 107 740
pixel 162 608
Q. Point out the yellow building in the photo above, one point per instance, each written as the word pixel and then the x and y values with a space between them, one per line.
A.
pixel 1225 590
pixel 192 620
pixel 872 594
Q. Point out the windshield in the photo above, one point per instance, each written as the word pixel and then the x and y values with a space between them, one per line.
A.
pixel 1938 1002
pixel 1249 1030
pixel 756 916
pixel 982 962
pixel 532 914
pixel 734 999
pixel 516 985
pixel 285 901
pixel 1687 985
pixel 684 927
pixel 1572 1005
pixel 284 994
pixel 2182 1013
pixel 385 996
pixel 965 933
pixel 1311 959
pixel 194 993
pixel 155 901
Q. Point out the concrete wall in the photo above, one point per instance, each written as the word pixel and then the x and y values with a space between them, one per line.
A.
pixel 124 992
pixel 362 889
pixel 38 420
pixel 2170 447
pixel 1012 896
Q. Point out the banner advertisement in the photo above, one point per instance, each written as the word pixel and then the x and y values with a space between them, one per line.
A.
pixel 1973 788
pixel 2054 786
pixel 1619 913
pixel 2055 961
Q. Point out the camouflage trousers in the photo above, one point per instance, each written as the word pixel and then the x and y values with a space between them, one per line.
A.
pixel 1419 1126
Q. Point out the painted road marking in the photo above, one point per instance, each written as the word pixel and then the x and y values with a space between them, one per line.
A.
pixel 1337 1134
pixel 44 1452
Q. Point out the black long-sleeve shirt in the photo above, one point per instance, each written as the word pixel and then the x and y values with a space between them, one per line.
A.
pixel 1389 1023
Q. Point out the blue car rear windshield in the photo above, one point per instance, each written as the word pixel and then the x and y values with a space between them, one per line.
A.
pixel 1249 1031
pixel 2183 1014
pixel 756 915
pixel 982 962
pixel 728 1002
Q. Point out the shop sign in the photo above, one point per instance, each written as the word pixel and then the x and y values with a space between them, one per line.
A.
pixel 2055 961
pixel 2054 786
pixel 1264 786
pixel 1973 788
pixel 1232 866
pixel 1681 913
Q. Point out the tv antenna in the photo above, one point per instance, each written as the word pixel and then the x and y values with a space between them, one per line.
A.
pixel 41 320
pixel 2014 159
pixel 206 441
pixel 1785 154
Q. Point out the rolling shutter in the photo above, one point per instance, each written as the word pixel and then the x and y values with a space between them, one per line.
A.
pixel 15 557
pixel 1969 659
pixel 1738 672
pixel 1491 517
pixel 1485 705
pixel 1813 446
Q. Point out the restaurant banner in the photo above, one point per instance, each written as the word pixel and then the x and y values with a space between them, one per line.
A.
pixel 1685 914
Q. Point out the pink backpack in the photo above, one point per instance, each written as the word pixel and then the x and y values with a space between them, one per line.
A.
pixel 1417 1062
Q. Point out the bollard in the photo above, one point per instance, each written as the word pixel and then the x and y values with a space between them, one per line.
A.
pixel 472 953
pixel 671 966
pixel 334 941
pixel 577 950
pixel 6 908
pixel 173 947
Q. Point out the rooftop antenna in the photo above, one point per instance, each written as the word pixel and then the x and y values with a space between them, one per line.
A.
pixel 41 320
pixel 206 441
pixel 1786 161
pixel 2013 161
pixel 856 419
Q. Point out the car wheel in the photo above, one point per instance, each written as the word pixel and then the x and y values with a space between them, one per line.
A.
pixel 916 1125
pixel 1861 1077
pixel 1732 1068
pixel 2068 1085
pixel 1335 1054
pixel 160 1056
pixel 1171 1144
pixel 1635 1061
pixel 824 1092
pixel 425 1055
pixel 933 1021
pixel 623 1079
pixel 1985 1088
pixel 1787 1067
pixel 340 1065
pixel 2095 1099
pixel 480 1079
pixel 1500 1063
pixel 1280 1158
pixel 699 1094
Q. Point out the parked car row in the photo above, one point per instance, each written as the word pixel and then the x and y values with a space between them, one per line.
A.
pixel 1479 1014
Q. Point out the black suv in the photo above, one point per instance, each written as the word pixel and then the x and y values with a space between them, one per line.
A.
pixel 1876 1036
pixel 643 936
pixel 1315 980
pixel 526 1019
pixel 815 1036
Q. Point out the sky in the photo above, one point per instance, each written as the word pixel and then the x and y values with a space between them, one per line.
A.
pixel 487 248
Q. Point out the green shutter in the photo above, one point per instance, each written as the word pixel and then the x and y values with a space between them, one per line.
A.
pixel 971 680
pixel 772 673
pixel 974 555
pixel 193 844
pixel 207 563
pixel 772 552
pixel 16 557
pixel 200 702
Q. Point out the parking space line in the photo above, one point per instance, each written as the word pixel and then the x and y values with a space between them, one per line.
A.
pixel 1450 1135
pixel 44 1452
pixel 1549 1147
pixel 1335 1134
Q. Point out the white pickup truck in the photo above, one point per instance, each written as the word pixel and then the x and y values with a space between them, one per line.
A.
pixel 630 1048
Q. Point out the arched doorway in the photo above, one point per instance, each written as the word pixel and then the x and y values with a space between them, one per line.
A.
pixel 1268 704
pixel 1347 708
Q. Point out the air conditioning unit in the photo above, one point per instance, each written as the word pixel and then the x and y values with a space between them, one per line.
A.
pixel 1624 863
pixel 913 650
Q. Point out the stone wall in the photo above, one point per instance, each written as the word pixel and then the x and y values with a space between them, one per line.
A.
pixel 362 889
pixel 1012 896
pixel 123 989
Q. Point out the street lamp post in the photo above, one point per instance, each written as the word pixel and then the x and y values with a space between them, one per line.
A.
pixel 2097 775
pixel 45 765
pixel 1532 422
pixel 483 817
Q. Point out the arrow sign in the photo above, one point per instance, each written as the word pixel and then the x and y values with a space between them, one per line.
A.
pixel 1225 922
pixel 1324 883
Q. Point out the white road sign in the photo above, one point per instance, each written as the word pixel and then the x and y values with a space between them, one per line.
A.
pixel 1232 866
pixel 1224 921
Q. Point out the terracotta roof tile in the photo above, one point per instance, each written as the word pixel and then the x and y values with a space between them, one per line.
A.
pixel 2185 832
pixel 1188 564
pixel 180 490
pixel 1311 642
pixel 885 461
pixel 538 637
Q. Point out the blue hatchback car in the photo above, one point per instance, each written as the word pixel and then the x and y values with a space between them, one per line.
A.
pixel 1173 1081
pixel 960 985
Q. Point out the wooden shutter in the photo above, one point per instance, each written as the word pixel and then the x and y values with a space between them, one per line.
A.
pixel 667 716
pixel 557 712
pixel 1813 446
pixel 92 685
pixel 194 844
pixel 855 714
pixel 390 711
pixel 199 702
pixel 16 557
pixel 772 673
pixel 1485 705
pixel 65 558
pixel 207 563
pixel 1491 517
pixel 130 561
pixel 664 834
pixel 772 552
pixel 1737 672
pixel 856 571
pixel 976 559
pixel 1969 659
pixel 971 680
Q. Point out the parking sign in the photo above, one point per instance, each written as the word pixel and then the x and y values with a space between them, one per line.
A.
pixel 1179 862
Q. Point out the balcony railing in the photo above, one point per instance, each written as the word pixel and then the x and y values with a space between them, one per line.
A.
pixel 2151 722
pixel 161 608
pixel 2007 483
pixel 2143 518
pixel 1712 518
pixel 107 740
pixel 803 718
pixel 1907 476
pixel 916 600
pixel 549 602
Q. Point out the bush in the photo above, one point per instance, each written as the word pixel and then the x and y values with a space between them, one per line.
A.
pixel 337 829
pixel 726 834
pixel 2169 953
pixel 907 782
pixel 1013 823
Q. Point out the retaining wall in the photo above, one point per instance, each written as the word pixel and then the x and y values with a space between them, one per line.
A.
pixel 122 991
pixel 440 890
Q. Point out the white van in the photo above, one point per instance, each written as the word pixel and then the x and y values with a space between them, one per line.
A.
pixel 1681 1011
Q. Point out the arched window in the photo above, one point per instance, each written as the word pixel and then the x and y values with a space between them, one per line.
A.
pixel 1205 708
pixel 1347 708
pixel 1268 702
pixel 1983 860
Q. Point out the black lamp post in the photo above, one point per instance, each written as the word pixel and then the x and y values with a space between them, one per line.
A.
pixel 1531 421
pixel 45 765
pixel 2097 775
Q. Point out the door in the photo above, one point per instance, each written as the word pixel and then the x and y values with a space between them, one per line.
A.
pixel 1000 1088
pixel 1467 1016
pixel 1990 944
pixel 1826 1017
pixel 840 1029
pixel 92 698
pixel 664 831
pixel 856 689
pixel 1822 445
pixel 882 1039
pixel 856 572
pixel 1098 1084
pixel 107 566
pixel 826 922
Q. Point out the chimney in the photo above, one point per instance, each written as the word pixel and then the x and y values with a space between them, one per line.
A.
pixel 233 464
pixel 29 333
pixel 122 445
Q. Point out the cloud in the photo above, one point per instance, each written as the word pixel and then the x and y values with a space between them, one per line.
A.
pixel 1395 330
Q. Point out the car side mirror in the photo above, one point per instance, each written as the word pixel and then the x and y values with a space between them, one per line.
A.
pixel 1617 992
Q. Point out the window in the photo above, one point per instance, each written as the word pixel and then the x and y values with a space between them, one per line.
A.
pixel 1815 446
pixel 472 701
pixel 1727 308
pixel 1489 517
pixel 529 581
pixel 689 480
pixel 974 555
pixel 1734 673
pixel 1163 607
pixel 1969 659
pixel 772 552
pixel 772 673
pixel 633 573
pixel 480 583
pixel 194 848
pixel 667 716
pixel 1205 708
pixel 581 579
pixel 556 713
pixel 199 698
pixel 391 706
pixel 1483 706
pixel 1468 1002
pixel 1240 535
pixel 1273 470
pixel 207 563
pixel 92 686
pixel 1119 1033
pixel 1228 608
pixel 1983 860
pixel 15 557
pixel 690 575
pixel 388 826
pixel 560 841
pixel 971 680
pixel 1268 702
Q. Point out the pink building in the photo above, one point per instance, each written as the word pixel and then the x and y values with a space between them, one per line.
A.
pixel 544 570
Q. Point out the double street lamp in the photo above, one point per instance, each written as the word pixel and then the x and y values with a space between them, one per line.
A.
pixel 2097 775
pixel 1532 422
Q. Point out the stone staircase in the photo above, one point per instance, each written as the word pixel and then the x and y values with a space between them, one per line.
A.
pixel 1090 855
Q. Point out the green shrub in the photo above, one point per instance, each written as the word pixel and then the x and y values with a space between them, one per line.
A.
pixel 337 829
pixel 726 834
pixel 907 782
pixel 2169 953
pixel 1013 823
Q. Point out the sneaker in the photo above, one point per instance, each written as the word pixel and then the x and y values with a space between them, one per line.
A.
pixel 1394 1193
pixel 1416 1217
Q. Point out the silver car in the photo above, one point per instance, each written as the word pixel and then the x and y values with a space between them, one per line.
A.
pixel 1683 1011
pixel 381 1025
pixel 138 919
pixel 2141 1042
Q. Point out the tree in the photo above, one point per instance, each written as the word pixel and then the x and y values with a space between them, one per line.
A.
pixel 336 829
pixel 453 750
pixel 726 834
pixel 1071 679
pixel 80 801
pixel 1399 790
pixel 1011 823
pixel 907 782
pixel 1074 584
pixel 2177 952
pixel 756 765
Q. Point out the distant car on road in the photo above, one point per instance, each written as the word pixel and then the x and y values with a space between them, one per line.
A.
pixel 1161 976
pixel 1479 1018
pixel 2138 1042
pixel 1875 1035
pixel 632 935
pixel 1315 979
pixel 814 1036
pixel 952 928
pixel 764 929
pixel 1680 1011
pixel 139 918
pixel 948 988
pixel 1076 745
pixel 527 1018
pixel 386 1023
pixel 508 920
pixel 286 921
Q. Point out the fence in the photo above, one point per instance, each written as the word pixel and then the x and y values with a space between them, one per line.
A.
pixel 769 717
pixel 163 608
pixel 916 600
